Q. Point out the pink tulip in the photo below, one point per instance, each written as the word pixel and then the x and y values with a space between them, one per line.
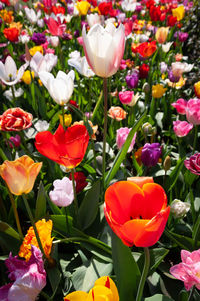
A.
pixel 188 270
pixel 104 48
pixel 182 128
pixel 122 135
pixel 180 105
pixel 28 278
pixel 193 111
pixel 56 28
pixel 126 96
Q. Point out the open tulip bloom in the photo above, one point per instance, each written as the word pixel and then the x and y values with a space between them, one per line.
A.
pixel 104 48
pixel 137 215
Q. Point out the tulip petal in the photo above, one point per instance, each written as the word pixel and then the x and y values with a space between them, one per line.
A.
pixel 109 283
pixel 76 296
pixel 140 181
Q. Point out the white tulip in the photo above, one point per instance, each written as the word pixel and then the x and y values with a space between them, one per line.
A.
pixel 61 87
pixel 31 15
pixel 9 73
pixel 81 65
pixel 40 63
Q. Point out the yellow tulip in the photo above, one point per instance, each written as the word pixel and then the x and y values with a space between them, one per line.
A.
pixel 161 34
pixel 20 174
pixel 179 12
pixel 158 91
pixel 104 290
pixel 27 77
pixel 83 7
pixel 197 89
pixel 35 49
pixel 67 119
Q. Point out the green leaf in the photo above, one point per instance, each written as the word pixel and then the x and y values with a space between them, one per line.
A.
pixel 54 276
pixel 158 297
pixel 182 241
pixel 122 153
pixel 4 227
pixel 89 206
pixel 40 203
pixel 126 270
pixel 156 257
pixel 189 177
pixel 173 177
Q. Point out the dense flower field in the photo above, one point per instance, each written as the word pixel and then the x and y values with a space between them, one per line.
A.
pixel 99 161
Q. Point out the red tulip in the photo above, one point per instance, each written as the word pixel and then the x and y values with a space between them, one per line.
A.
pixel 64 147
pixel 138 215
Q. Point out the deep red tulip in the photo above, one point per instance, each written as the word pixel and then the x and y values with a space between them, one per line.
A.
pixel 80 180
pixel 137 215
pixel 64 147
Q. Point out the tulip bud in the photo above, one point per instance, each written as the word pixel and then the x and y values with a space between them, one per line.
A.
pixel 67 119
pixel 147 128
pixel 179 209
pixel 167 163
pixel 146 88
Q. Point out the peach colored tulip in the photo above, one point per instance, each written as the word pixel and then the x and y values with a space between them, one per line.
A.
pixel 161 34
pixel 20 174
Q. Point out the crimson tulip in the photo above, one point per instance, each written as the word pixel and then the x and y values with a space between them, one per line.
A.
pixel 64 147
pixel 137 214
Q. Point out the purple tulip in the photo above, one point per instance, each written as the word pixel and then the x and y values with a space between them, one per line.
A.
pixel 38 38
pixel 151 154
pixel 132 79
pixel 182 36
pixel 172 78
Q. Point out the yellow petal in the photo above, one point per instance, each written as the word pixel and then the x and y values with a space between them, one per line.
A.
pixel 76 296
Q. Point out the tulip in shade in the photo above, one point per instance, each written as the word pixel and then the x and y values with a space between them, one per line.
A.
pixel 20 174
pixel 188 270
pixel 29 278
pixel 193 164
pixel 104 48
pixel 137 215
pixel 151 154
pixel 64 147
pixel 104 289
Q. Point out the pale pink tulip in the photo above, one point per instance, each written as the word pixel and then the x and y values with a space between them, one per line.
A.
pixel 193 111
pixel 104 48
pixel 188 270
pixel 180 105
pixel 182 128
pixel 121 137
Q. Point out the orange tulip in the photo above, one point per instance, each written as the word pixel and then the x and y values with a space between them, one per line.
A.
pixel 20 174
pixel 104 289
pixel 137 214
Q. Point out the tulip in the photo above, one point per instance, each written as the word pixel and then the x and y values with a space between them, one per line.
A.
pixel 63 194
pixel 179 209
pixel 83 7
pixel 151 154
pixel 182 128
pixel 158 91
pixel 40 63
pixel 193 111
pixel 188 270
pixel 193 164
pixel 20 174
pixel 15 119
pixel 93 19
pixel 180 105
pixel 81 65
pixel 64 147
pixel 140 220
pixel 161 34
pixel 197 89
pixel 179 12
pixel 104 289
pixel 9 73
pixel 61 87
pixel 104 48
pixel 117 113
pixel 31 15
pixel 121 137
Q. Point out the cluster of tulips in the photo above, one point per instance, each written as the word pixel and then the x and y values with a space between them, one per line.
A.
pixel 98 152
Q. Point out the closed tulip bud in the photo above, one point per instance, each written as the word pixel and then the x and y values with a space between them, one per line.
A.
pixel 179 209
pixel 67 119
pixel 146 88
pixel 167 163
pixel 147 128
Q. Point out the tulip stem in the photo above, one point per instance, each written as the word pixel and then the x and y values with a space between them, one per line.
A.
pixel 33 224
pixel 191 293
pixel 144 274
pixel 15 214
pixel 75 196
pixel 63 117
pixel 195 137
pixel 105 93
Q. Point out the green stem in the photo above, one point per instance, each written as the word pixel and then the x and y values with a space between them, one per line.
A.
pixel 67 222
pixel 63 117
pixel 191 293
pixel 75 196
pixel 33 224
pixel 13 94
pixel 15 214
pixel 105 93
pixel 144 274
pixel 2 155
pixel 195 137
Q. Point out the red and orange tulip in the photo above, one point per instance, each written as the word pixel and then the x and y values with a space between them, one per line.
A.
pixel 64 147
pixel 136 213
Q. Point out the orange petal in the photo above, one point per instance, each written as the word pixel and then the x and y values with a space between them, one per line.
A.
pixel 155 200
pixel 133 228
pixel 140 181
pixel 120 198
pixel 76 296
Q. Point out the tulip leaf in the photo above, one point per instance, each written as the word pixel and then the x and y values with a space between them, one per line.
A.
pixel 184 242
pixel 126 270
pixel 158 297
pixel 173 177
pixel 54 276
pixel 4 227
pixel 156 256
pixel 40 202
pixel 122 153
pixel 89 206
